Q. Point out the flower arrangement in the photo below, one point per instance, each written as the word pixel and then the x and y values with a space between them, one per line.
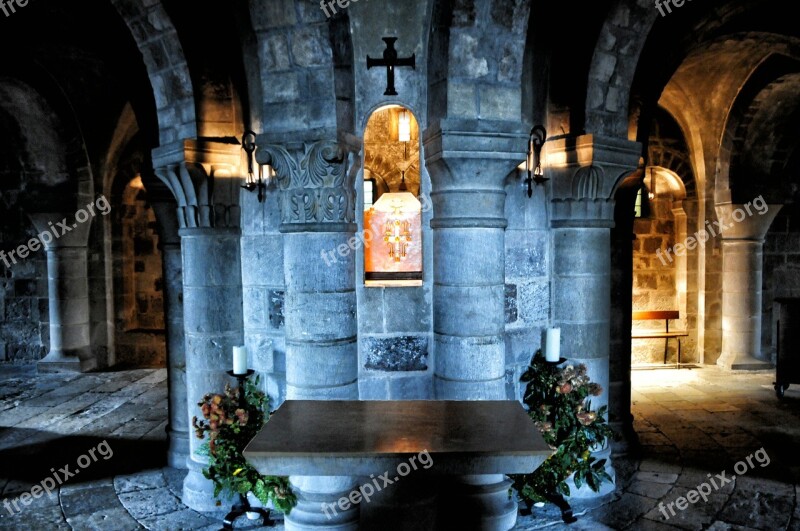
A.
pixel 558 402
pixel 229 424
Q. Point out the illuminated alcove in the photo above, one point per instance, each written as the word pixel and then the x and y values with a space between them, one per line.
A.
pixel 392 212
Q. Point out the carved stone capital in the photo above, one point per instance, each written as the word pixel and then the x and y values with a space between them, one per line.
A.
pixel 584 173
pixel 204 176
pixel 317 185
pixel 745 222
pixel 473 154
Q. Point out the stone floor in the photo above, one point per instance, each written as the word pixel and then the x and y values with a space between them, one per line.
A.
pixel 109 428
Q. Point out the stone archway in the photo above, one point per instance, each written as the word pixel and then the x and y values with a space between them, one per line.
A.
pixel 158 41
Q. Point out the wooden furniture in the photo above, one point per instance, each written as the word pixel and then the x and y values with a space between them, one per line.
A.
pixel 666 335
pixel 363 438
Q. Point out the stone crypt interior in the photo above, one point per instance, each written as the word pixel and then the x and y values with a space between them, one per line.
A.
pixel 266 189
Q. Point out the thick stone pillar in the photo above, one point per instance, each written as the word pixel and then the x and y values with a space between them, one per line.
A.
pixel 68 294
pixel 468 173
pixel 744 229
pixel 172 265
pixel 317 196
pixel 585 172
pixel 467 180
pixel 212 297
pixel 203 177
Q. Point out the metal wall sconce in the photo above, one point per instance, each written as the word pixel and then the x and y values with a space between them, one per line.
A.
pixel 252 182
pixel 533 164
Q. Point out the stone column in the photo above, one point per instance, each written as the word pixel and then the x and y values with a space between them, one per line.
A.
pixel 68 293
pixel 203 177
pixel 317 216
pixel 681 267
pixel 744 229
pixel 468 173
pixel 212 297
pixel 585 172
pixel 467 180
pixel 172 265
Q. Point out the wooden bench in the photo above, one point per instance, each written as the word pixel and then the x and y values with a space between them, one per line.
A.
pixel 666 335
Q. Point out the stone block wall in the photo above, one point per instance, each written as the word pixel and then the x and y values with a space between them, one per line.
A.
pixel 139 290
pixel 264 292
pixel 24 319
pixel 24 322
pixel 527 302
pixel 654 279
pixel 395 343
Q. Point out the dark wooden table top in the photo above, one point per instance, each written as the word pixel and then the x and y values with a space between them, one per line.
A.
pixel 336 437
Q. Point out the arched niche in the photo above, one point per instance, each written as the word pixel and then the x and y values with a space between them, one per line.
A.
pixel 391 211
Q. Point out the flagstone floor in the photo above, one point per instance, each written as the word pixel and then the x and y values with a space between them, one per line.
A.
pixel 694 426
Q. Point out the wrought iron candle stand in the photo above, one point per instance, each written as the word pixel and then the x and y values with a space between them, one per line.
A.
pixel 243 507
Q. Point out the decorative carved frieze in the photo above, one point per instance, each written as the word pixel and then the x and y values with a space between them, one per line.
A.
pixel 317 184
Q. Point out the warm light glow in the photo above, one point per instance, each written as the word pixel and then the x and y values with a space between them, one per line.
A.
pixel 404 127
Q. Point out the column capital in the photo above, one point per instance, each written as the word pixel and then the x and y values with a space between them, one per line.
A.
pixel 316 182
pixel 204 176
pixel 62 230
pixel 584 173
pixel 746 222
pixel 473 154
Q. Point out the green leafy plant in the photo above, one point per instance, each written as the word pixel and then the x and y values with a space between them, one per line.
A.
pixel 229 428
pixel 558 401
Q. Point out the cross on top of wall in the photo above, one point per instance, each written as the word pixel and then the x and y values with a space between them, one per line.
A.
pixel 390 61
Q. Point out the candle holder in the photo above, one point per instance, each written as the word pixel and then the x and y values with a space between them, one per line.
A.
pixel 243 507
pixel 241 379
pixel 555 363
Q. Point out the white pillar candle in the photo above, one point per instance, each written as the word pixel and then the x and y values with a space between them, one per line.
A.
pixel 239 360
pixel 553 344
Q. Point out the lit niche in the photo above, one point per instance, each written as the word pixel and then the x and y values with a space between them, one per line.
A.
pixel 392 212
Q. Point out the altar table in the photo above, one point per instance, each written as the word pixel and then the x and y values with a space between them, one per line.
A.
pixel 358 439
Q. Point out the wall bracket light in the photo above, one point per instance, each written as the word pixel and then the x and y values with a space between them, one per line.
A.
pixel 253 183
pixel 533 164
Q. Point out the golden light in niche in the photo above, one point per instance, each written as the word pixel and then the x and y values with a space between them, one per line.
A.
pixel 392 212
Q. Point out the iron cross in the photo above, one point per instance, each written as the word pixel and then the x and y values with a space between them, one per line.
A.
pixel 390 61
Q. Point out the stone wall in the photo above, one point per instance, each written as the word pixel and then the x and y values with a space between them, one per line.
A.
pixel 654 286
pixel 527 308
pixel 139 294
pixel 24 328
